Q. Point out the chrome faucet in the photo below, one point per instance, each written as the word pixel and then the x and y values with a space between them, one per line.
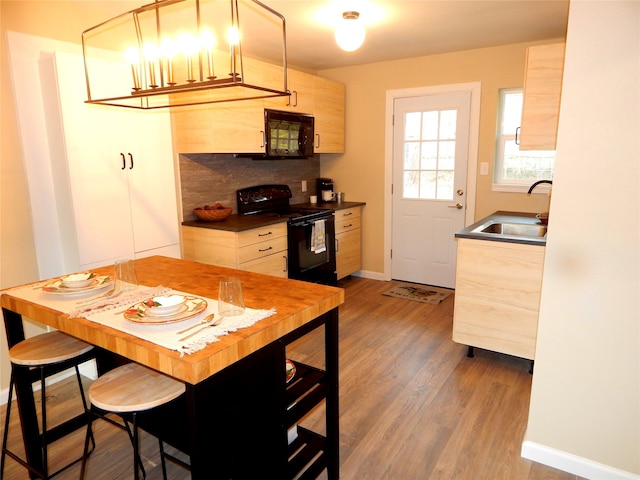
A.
pixel 538 183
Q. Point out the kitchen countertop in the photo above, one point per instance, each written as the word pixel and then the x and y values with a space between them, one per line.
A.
pixel 239 223
pixel 504 216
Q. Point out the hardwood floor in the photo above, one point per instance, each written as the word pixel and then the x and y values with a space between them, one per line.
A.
pixel 412 405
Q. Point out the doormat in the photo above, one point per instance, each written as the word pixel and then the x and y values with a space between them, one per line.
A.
pixel 424 294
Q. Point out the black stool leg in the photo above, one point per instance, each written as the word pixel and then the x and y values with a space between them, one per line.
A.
pixel 162 460
pixel 86 411
pixel 88 436
pixel 5 435
pixel 133 436
pixel 43 396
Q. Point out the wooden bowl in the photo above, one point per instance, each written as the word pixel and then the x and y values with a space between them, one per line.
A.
pixel 212 214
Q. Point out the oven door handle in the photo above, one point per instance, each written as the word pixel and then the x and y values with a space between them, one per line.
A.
pixel 306 223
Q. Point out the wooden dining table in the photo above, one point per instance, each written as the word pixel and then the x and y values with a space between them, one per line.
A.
pixel 234 418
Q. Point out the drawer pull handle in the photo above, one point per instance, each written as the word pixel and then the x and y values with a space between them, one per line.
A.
pixel 265 249
pixel 264 234
pixel 347 214
pixel 347 226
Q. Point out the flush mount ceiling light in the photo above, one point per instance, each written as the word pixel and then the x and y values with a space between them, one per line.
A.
pixel 186 52
pixel 350 32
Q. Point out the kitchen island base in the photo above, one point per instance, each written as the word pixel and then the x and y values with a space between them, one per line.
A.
pixel 238 410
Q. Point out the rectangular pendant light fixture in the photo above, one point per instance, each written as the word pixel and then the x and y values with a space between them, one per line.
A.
pixel 174 53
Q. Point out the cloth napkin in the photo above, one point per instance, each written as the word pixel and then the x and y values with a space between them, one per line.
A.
pixel 110 312
pixel 318 244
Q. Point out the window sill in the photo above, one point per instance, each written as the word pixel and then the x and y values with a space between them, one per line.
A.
pixel 540 189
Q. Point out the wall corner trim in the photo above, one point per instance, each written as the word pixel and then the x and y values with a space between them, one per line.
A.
pixel 574 464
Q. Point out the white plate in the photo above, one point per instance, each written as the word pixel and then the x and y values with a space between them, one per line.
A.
pixel 57 288
pixel 138 313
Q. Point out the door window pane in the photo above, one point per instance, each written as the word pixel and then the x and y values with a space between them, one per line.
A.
pixel 429 154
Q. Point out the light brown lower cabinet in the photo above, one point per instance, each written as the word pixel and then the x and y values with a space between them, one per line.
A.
pixel 260 250
pixel 497 296
pixel 348 241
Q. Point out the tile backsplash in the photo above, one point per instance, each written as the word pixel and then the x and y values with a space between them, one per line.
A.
pixel 209 178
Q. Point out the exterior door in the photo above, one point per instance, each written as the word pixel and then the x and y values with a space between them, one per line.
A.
pixel 430 156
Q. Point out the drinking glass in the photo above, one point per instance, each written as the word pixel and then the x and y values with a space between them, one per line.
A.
pixel 126 278
pixel 230 298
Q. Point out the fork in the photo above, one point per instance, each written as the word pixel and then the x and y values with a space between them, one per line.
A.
pixel 206 319
pixel 217 322
pixel 110 294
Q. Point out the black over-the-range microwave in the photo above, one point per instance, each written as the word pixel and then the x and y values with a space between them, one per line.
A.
pixel 287 135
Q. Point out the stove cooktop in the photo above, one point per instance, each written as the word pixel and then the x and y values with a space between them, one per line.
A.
pixel 273 200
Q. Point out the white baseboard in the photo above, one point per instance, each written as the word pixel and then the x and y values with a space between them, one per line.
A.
pixel 88 369
pixel 370 275
pixel 570 463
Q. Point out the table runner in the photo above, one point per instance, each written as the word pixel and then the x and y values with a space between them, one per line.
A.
pixel 109 312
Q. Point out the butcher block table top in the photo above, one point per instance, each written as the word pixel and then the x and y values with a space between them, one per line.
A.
pixel 296 303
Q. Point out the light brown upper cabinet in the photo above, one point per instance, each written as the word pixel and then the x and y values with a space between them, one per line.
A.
pixel 542 90
pixel 238 127
pixel 301 100
pixel 329 115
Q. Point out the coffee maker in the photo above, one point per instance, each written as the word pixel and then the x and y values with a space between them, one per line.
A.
pixel 324 190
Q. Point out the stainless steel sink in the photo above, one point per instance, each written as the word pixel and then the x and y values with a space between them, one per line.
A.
pixel 513 229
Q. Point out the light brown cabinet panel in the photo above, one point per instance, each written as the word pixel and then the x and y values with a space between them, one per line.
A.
pixel 541 97
pixel 497 297
pixel 215 247
pixel 329 115
pixel 261 250
pixel 275 264
pixel 238 127
pixel 261 234
pixel 348 241
pixel 301 100
pixel 348 253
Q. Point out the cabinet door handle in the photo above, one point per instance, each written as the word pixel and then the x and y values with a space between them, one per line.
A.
pixel 286 263
pixel 337 245
pixel 295 102
pixel 263 139
pixel 124 161
pixel 130 161
pixel 265 249
pixel 317 140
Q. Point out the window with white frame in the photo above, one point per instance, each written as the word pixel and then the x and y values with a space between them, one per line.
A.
pixel 515 168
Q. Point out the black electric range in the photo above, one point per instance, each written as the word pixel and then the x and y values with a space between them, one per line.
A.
pixel 310 231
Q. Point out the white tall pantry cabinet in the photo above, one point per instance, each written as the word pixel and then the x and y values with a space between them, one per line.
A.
pixel 116 188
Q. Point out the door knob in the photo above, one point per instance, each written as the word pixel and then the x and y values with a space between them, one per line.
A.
pixel 457 205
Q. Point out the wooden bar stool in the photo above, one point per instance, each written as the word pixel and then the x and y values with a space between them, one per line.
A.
pixel 128 390
pixel 46 354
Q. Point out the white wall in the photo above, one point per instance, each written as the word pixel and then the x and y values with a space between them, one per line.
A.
pixel 585 404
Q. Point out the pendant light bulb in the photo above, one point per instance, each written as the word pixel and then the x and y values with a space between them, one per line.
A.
pixel 350 32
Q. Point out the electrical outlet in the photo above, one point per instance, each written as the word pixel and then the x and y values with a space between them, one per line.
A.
pixel 304 185
pixel 484 168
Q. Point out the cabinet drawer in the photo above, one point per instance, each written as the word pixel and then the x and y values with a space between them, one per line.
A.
pixel 347 213
pixel 262 249
pixel 269 232
pixel 346 225
pixel 275 265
